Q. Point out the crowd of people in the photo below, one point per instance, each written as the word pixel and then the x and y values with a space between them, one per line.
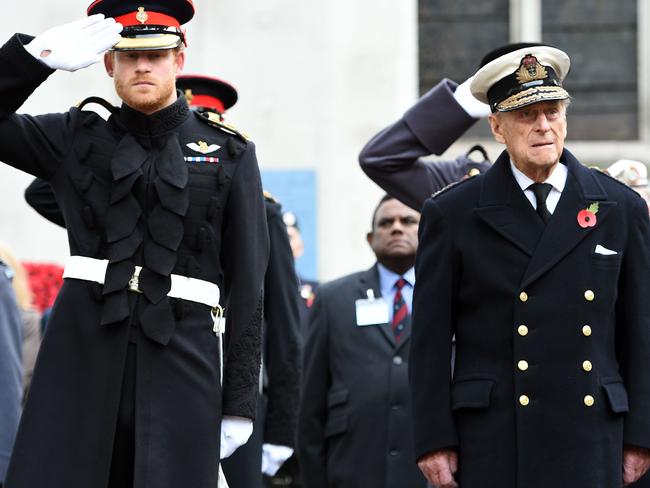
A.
pixel 500 339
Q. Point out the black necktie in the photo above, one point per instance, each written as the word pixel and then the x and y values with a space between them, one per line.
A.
pixel 541 191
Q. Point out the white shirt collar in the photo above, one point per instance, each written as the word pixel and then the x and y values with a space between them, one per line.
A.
pixel 388 277
pixel 557 179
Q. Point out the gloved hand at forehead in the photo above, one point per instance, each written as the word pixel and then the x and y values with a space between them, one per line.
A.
pixel 471 105
pixel 76 45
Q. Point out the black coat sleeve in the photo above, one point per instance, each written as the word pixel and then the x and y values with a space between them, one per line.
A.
pixel 312 444
pixel 393 158
pixel 245 255
pixel 40 197
pixel 282 322
pixel 434 296
pixel 36 145
pixel 633 322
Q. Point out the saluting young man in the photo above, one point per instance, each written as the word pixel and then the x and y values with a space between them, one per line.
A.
pixel 165 218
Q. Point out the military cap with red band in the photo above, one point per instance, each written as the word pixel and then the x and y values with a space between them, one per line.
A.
pixel 148 25
pixel 207 93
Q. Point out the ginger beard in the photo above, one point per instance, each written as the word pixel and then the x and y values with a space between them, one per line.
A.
pixel 145 80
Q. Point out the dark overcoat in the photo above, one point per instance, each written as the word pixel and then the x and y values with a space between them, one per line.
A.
pixel 132 191
pixel 395 157
pixel 552 336
pixel 355 428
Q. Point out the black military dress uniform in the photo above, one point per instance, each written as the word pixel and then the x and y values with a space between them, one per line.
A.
pixel 551 336
pixel 133 191
pixel 277 412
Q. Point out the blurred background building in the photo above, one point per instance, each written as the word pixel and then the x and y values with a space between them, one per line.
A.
pixel 317 79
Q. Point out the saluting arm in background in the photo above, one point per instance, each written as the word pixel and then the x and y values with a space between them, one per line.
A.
pixel 392 158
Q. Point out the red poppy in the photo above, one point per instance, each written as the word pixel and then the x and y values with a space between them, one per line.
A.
pixel 587 216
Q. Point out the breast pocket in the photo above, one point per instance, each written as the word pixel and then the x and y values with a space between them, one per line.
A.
pixel 606 260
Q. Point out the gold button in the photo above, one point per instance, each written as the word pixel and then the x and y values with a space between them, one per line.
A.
pixel 524 400
pixel 523 330
pixel 522 365
pixel 586 330
pixel 523 296
pixel 589 401
pixel 474 172
pixel 587 366
pixel 589 295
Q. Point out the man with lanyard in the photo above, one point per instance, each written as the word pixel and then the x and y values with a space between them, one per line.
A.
pixel 355 426
pixel 165 218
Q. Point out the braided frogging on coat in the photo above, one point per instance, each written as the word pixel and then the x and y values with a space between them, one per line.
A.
pixel 242 368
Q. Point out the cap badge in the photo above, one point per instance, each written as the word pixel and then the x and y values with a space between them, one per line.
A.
pixel 141 16
pixel 530 70
pixel 189 96
pixel 203 147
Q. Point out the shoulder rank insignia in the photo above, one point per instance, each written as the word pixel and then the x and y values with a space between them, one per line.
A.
pixel 269 197
pixel 215 120
pixel 453 184
pixel 202 147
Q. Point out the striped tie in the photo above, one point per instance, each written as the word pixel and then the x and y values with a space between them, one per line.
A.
pixel 400 311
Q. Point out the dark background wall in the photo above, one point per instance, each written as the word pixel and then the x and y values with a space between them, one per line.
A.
pixel 600 36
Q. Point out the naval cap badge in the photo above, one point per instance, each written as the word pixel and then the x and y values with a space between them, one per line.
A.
pixel 530 70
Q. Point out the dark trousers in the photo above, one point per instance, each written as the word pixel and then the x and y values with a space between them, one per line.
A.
pixel 123 460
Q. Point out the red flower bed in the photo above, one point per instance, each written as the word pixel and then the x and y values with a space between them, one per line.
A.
pixel 45 280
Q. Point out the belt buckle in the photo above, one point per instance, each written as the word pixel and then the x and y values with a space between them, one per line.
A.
pixel 134 281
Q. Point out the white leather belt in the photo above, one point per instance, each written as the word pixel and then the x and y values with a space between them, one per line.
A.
pixel 195 290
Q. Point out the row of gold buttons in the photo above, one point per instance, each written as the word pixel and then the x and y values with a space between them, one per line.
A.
pixel 525 401
pixel 590 296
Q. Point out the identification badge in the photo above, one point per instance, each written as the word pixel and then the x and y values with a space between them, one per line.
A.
pixel 371 311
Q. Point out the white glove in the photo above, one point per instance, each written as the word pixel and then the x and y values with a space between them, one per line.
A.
pixel 76 45
pixel 235 432
pixel 273 457
pixel 471 105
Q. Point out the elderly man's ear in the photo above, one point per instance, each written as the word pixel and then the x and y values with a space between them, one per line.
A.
pixel 497 128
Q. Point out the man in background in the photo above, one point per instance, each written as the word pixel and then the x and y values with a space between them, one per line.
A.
pixel 355 428
pixel 11 373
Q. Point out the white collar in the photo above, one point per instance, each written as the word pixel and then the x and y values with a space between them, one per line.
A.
pixel 557 179
pixel 390 277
